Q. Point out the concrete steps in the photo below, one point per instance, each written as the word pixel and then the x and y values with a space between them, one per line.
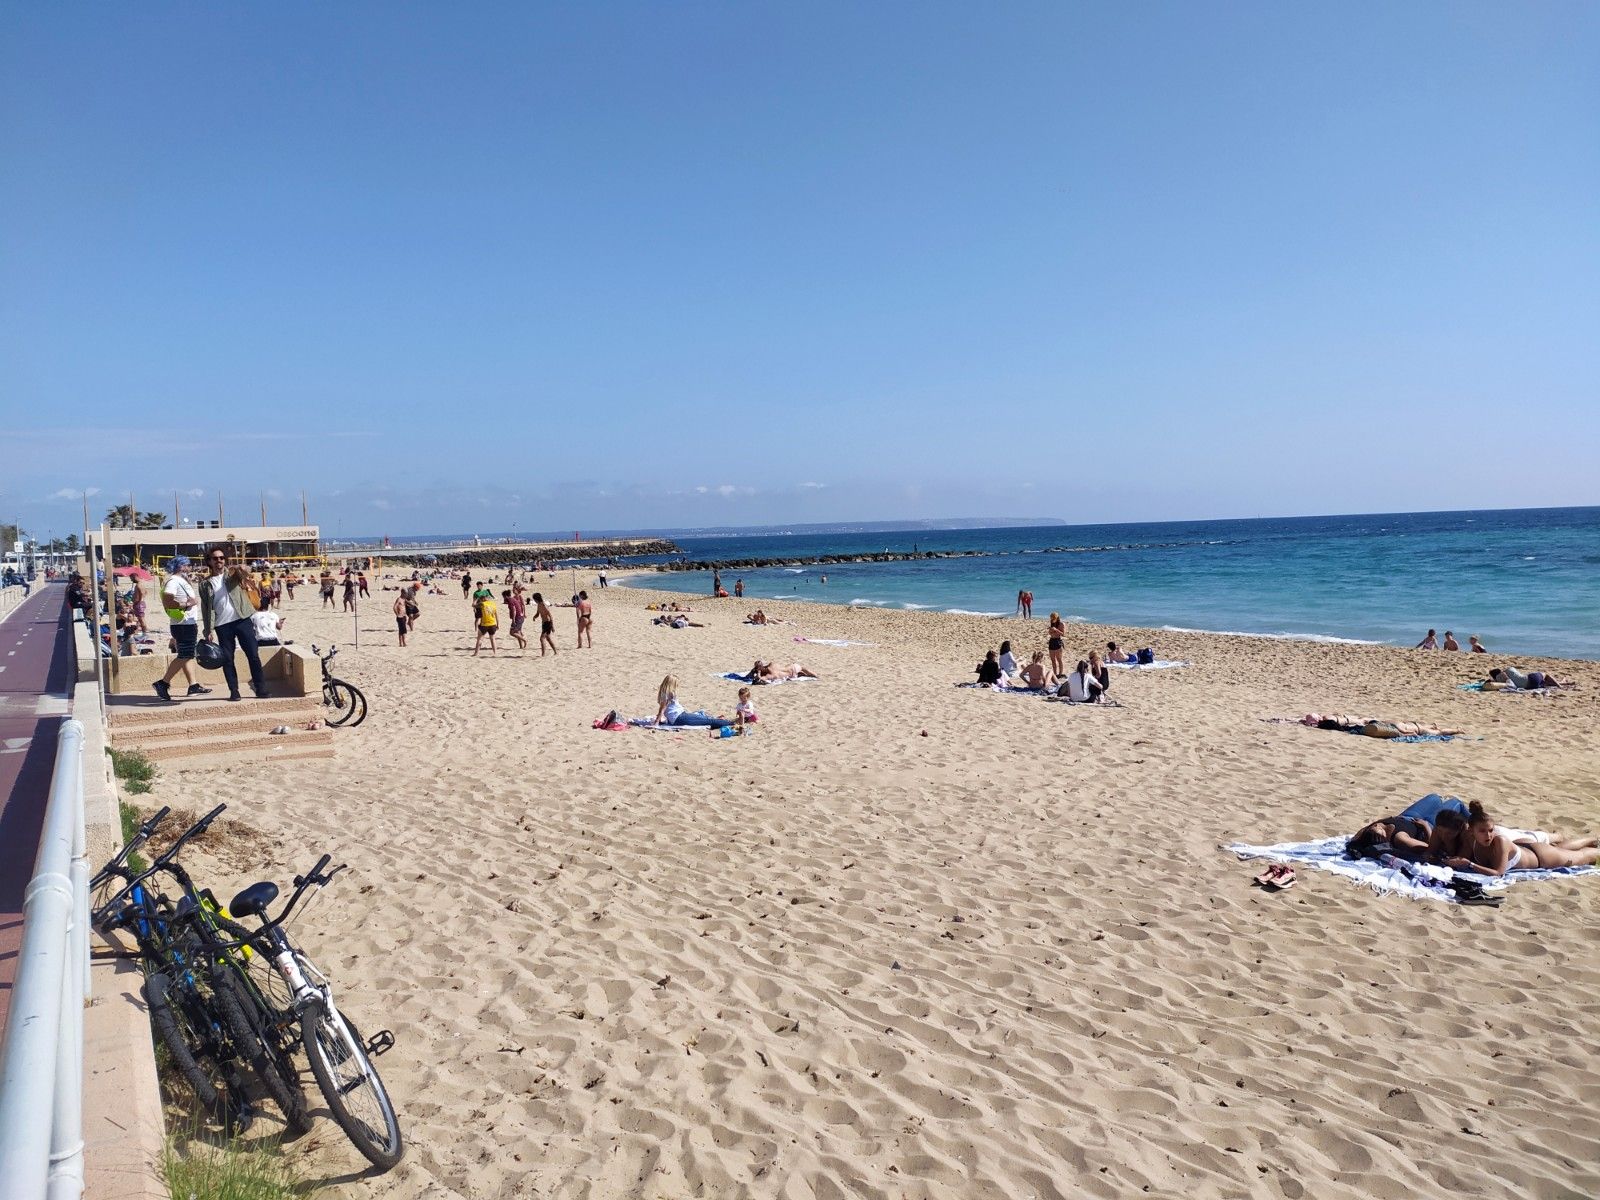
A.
pixel 206 730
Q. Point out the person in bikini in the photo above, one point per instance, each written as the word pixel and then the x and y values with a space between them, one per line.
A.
pixel 1474 843
pixel 585 619
pixel 1373 727
pixel 773 673
pixel 1056 637
pixel 756 618
pixel 1034 676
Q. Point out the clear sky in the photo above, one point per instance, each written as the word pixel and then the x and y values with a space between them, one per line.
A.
pixel 464 267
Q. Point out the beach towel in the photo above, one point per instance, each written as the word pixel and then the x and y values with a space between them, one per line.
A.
pixel 832 642
pixel 1159 665
pixel 1328 855
pixel 1504 691
pixel 1004 691
pixel 744 677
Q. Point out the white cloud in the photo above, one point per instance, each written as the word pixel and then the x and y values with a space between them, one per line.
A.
pixel 380 502
pixel 809 484
pixel 726 489
pixel 702 490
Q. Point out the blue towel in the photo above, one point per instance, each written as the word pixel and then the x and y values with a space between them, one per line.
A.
pixel 1328 855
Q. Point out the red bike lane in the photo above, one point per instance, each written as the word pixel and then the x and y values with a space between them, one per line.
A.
pixel 37 670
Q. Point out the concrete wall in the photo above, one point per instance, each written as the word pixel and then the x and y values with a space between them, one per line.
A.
pixel 123 1129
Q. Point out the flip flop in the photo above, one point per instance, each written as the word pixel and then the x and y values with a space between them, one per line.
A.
pixel 1271 874
pixel 1282 881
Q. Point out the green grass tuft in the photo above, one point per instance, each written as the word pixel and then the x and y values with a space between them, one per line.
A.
pixel 133 768
pixel 130 828
pixel 197 1170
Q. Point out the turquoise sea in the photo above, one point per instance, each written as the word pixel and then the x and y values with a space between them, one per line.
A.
pixel 1526 581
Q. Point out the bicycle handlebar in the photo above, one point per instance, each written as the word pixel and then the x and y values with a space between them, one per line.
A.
pixel 138 839
pixel 159 864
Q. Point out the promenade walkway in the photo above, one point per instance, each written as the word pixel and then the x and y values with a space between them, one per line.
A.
pixel 37 670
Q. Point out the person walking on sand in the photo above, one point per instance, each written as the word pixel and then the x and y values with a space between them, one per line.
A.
pixel 466 584
pixel 547 624
pixel 181 602
pixel 1027 605
pixel 585 619
pixel 227 604
pixel 1020 595
pixel 413 609
pixel 517 610
pixel 361 585
pixel 1431 642
pixel 401 621
pixel 349 592
pixel 326 583
pixel 487 619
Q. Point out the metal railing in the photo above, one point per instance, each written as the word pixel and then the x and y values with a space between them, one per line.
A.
pixel 41 1058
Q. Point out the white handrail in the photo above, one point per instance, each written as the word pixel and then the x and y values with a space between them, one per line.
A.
pixel 41 1058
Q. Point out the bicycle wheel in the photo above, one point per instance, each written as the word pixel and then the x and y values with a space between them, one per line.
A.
pixel 253 1042
pixel 183 1045
pixel 348 707
pixel 350 1084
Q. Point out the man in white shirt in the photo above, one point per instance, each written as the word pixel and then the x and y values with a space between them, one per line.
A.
pixel 226 607
pixel 267 624
pixel 181 601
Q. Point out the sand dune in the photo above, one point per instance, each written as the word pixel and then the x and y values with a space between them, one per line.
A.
pixel 1006 959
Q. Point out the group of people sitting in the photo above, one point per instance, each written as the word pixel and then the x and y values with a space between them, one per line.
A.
pixel 1446 832
pixel 1087 683
pixel 1431 642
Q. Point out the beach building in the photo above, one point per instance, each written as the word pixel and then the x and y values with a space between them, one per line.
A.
pixel 248 543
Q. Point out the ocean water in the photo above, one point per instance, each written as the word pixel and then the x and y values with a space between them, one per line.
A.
pixel 1526 581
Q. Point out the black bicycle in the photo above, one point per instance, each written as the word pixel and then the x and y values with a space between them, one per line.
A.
pixel 345 704
pixel 211 1057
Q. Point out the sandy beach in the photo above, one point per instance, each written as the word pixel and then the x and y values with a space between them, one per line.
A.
pixel 915 941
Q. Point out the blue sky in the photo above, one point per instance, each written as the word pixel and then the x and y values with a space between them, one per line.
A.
pixel 454 268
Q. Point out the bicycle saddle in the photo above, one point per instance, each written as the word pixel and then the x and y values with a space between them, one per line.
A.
pixel 253 901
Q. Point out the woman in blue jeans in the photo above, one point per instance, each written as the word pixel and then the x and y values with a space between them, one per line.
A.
pixel 670 712
pixel 1406 835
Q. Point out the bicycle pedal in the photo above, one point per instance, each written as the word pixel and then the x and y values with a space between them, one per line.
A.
pixel 380 1043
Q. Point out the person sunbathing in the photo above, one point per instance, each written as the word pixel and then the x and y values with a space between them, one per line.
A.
pixel 1488 850
pixel 1408 834
pixel 1375 727
pixel 756 618
pixel 773 673
pixel 677 621
pixel 1509 679
pixel 1115 655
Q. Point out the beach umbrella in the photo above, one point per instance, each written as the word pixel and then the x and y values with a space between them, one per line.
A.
pixel 134 572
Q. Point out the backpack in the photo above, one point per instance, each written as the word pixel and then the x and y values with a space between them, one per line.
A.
pixel 1146 656
pixel 488 614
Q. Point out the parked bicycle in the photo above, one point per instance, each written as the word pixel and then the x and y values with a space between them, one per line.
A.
pixel 346 704
pixel 229 1002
